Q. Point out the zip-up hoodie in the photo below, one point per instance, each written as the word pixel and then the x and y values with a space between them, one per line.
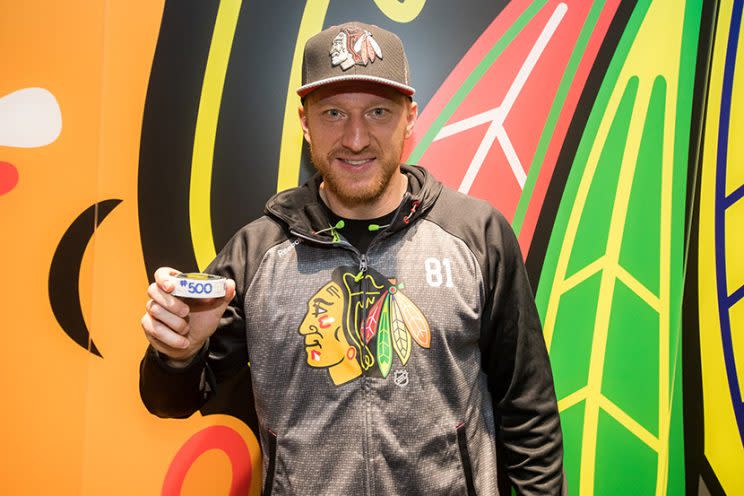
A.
pixel 418 367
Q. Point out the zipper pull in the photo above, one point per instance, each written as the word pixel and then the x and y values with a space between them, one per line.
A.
pixel 362 268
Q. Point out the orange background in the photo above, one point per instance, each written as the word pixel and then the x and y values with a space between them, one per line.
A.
pixel 73 422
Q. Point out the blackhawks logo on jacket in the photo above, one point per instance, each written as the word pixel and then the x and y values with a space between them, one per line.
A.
pixel 361 325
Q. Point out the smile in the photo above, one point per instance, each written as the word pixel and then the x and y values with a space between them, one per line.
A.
pixel 357 162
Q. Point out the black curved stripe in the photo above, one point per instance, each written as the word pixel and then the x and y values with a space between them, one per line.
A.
pixel 167 139
pixel 64 273
pixel 697 470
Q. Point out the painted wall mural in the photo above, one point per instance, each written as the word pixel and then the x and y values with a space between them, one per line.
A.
pixel 145 133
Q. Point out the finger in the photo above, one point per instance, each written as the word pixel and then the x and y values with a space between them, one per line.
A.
pixel 229 290
pixel 156 330
pixel 164 278
pixel 171 320
pixel 169 302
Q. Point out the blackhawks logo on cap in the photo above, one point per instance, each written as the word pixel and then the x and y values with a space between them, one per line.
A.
pixel 353 46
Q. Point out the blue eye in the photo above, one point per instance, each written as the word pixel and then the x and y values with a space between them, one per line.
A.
pixel 333 113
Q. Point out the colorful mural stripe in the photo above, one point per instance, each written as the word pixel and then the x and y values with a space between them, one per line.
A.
pixel 720 264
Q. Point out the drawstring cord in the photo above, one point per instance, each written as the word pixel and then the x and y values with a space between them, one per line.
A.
pixel 414 205
pixel 334 230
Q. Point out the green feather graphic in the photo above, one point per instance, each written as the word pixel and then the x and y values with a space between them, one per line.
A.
pixel 384 349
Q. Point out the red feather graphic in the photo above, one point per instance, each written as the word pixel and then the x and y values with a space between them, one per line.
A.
pixel 373 319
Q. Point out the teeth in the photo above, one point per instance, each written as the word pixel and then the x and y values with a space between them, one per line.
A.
pixel 356 162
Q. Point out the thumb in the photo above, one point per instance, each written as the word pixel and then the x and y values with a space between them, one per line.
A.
pixel 229 292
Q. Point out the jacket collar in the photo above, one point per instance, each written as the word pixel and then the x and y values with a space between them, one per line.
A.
pixel 301 209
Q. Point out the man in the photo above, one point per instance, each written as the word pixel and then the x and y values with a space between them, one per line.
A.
pixel 393 339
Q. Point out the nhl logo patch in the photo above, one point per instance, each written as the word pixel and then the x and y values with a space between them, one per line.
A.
pixel 354 46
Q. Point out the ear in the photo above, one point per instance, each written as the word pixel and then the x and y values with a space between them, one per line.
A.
pixel 411 117
pixel 304 124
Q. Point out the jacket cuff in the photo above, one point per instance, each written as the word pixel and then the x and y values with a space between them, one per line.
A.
pixel 197 361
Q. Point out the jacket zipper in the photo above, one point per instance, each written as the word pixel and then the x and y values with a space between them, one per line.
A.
pixel 363 379
pixel 363 267
pixel 364 384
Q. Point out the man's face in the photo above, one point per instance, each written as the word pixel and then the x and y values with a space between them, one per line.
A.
pixel 356 132
pixel 322 328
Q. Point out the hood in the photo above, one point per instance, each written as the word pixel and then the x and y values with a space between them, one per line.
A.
pixel 301 209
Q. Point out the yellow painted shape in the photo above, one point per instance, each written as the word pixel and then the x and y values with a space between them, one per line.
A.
pixel 582 275
pixel 629 423
pixel 660 31
pixel 723 446
pixel 735 168
pixel 737 338
pixel 639 289
pixel 572 399
pixel 290 150
pixel 735 241
pixel 200 187
pixel 401 10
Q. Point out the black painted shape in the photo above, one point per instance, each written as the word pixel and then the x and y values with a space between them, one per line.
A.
pixel 696 465
pixel 712 484
pixel 167 139
pixel 554 194
pixel 249 134
pixel 64 273
pixel 692 382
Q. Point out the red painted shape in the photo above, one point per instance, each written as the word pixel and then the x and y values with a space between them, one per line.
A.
pixel 8 177
pixel 450 157
pixel 214 437
pixel 323 321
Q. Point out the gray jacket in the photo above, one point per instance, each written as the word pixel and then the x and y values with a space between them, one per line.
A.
pixel 416 368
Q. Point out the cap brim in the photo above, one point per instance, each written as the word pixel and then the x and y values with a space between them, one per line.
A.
pixel 405 89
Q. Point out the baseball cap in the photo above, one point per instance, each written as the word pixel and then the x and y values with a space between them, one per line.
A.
pixel 354 51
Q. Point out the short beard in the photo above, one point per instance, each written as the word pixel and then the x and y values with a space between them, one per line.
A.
pixel 352 198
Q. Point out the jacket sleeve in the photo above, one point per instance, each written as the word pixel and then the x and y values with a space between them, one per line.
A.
pixel 178 392
pixel 520 380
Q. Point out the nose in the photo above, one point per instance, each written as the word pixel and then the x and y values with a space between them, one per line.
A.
pixel 307 327
pixel 356 134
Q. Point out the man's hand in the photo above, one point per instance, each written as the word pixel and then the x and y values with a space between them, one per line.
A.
pixel 179 328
